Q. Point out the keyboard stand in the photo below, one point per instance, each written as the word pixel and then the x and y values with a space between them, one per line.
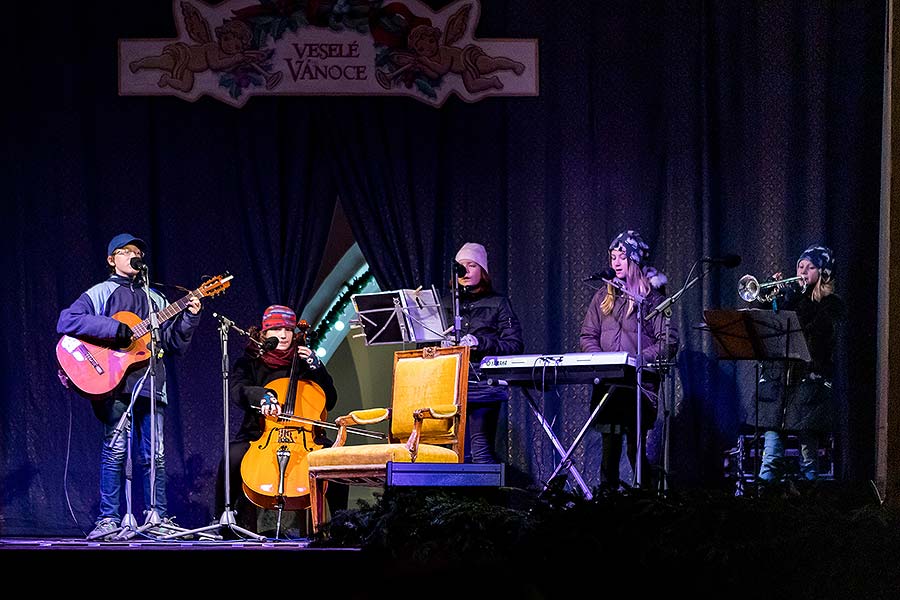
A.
pixel 565 457
pixel 571 368
pixel 565 463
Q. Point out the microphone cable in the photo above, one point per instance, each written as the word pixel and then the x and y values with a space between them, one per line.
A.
pixel 69 394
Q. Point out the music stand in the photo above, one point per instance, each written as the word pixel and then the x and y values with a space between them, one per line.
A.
pixel 758 335
pixel 404 316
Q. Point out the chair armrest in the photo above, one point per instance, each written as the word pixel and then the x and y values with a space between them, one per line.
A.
pixel 445 411
pixel 366 416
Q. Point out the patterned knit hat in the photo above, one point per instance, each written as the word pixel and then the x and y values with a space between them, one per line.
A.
pixel 277 316
pixel 822 258
pixel 630 242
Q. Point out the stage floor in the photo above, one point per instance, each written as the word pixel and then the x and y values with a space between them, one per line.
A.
pixel 58 543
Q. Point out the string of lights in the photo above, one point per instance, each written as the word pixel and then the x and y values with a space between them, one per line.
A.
pixel 330 319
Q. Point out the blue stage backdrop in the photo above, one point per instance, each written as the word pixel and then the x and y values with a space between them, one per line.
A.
pixel 711 127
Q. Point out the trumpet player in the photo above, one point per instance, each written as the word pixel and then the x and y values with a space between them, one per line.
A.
pixel 800 401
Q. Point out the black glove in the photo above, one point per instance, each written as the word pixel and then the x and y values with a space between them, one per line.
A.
pixel 123 336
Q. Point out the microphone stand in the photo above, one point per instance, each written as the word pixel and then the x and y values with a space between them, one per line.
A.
pixel 639 368
pixel 227 518
pixel 457 319
pixel 154 521
pixel 667 382
pixel 128 527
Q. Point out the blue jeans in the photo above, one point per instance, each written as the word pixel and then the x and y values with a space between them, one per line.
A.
pixel 113 459
pixel 772 468
pixel 482 414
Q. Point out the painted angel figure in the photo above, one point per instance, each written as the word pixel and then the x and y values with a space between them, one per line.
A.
pixel 181 61
pixel 435 58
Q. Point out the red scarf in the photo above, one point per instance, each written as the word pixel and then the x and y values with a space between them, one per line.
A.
pixel 280 358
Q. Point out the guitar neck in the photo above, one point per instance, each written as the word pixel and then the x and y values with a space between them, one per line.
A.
pixel 165 314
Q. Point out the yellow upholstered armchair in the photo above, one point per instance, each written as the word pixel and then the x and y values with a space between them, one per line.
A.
pixel 427 424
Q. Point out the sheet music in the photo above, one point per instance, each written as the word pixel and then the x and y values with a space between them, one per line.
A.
pixel 400 317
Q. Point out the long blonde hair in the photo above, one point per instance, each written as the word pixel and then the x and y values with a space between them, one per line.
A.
pixel 635 282
pixel 822 288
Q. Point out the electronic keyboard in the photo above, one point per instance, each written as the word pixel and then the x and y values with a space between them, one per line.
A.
pixel 541 370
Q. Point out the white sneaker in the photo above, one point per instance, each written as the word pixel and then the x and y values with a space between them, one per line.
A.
pixel 103 528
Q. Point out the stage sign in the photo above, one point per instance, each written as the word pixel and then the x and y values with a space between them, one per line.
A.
pixel 241 48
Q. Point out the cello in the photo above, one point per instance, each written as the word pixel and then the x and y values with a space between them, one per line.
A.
pixel 275 471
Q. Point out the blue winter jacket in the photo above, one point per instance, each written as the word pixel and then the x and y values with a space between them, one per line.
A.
pixel 90 316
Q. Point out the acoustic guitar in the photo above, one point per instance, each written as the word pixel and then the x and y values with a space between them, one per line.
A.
pixel 96 369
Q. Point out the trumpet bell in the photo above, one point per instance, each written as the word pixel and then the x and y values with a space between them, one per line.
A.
pixel 748 288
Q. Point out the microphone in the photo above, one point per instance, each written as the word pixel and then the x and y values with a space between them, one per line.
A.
pixel 270 344
pixel 728 261
pixel 606 274
pixel 458 269
pixel 223 319
pixel 137 264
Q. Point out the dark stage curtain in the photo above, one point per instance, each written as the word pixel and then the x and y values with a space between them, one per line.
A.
pixel 720 127
pixel 389 176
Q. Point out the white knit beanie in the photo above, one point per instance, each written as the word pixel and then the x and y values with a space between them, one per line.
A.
pixel 474 252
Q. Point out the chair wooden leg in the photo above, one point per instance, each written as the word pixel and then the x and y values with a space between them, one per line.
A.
pixel 317 501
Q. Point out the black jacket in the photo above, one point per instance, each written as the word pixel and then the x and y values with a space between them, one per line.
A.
pixel 249 378
pixel 800 399
pixel 490 318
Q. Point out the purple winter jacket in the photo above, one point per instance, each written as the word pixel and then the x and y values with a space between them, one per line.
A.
pixel 616 333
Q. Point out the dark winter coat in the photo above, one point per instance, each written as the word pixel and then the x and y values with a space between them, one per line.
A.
pixel 490 318
pixel 249 378
pixel 798 396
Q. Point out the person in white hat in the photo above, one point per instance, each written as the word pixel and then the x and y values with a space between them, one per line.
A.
pixel 490 327
pixel 91 316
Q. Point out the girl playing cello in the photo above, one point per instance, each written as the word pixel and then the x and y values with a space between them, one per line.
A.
pixel 255 380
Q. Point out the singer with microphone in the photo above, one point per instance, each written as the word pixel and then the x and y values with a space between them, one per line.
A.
pixel 91 316
pixel 611 325
pixel 489 326
pixel 268 357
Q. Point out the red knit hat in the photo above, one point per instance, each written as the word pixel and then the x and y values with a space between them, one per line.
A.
pixel 277 316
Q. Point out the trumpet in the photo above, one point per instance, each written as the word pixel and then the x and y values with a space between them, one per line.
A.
pixel 749 288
